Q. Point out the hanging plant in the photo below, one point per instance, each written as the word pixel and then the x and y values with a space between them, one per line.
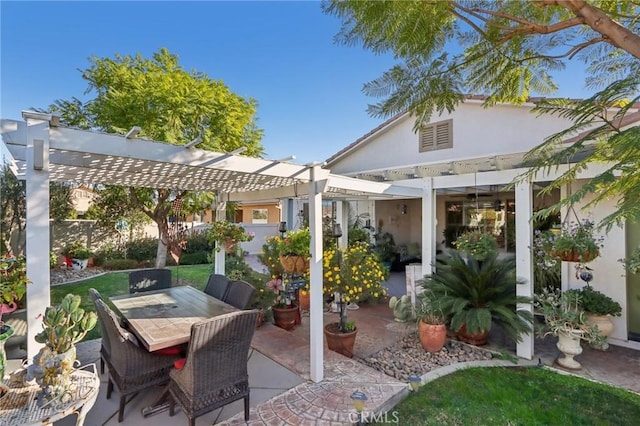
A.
pixel 477 243
pixel 576 242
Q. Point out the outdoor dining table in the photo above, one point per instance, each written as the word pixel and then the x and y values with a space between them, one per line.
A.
pixel 163 318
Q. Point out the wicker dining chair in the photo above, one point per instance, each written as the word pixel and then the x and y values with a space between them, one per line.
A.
pixel 215 370
pixel 217 286
pixel 149 279
pixel 105 347
pixel 239 294
pixel 132 368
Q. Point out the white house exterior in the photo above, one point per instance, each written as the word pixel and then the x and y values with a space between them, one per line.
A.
pixel 464 160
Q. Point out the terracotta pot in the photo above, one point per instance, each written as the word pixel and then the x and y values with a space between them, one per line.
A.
pixel 342 343
pixel 477 339
pixel 293 264
pixel 285 318
pixel 432 336
pixel 605 328
pixel 304 299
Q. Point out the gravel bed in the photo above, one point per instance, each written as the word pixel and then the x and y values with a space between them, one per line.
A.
pixel 407 356
pixel 64 275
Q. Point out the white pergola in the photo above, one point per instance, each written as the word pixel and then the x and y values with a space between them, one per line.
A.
pixel 44 151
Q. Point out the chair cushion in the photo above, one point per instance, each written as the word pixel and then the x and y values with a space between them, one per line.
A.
pixel 173 350
pixel 179 363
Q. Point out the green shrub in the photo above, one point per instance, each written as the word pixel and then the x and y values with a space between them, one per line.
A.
pixel 120 264
pixel 142 249
pixel 197 242
pixel 198 258
pixel 107 252
pixel 53 260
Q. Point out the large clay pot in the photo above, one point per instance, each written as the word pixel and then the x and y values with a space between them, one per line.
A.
pixel 342 343
pixel 605 328
pixel 477 339
pixel 304 300
pixel 294 264
pixel 569 345
pixel 285 318
pixel 432 336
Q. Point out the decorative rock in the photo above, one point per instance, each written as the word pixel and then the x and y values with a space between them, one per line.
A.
pixel 407 356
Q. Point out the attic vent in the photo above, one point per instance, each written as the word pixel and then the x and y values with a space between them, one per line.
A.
pixel 436 136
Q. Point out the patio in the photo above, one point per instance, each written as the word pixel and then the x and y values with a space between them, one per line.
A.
pixel 283 394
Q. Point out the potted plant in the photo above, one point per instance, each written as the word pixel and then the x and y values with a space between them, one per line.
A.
pixel 350 274
pixel 432 321
pixel 385 248
pixel 564 317
pixel 285 311
pixel 599 308
pixel 295 250
pixel 576 242
pixel 64 325
pixel 13 286
pixel 227 234
pixel 477 243
pixel 78 253
pixel 477 294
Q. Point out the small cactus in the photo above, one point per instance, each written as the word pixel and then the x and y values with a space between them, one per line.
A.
pixel 403 309
pixel 65 324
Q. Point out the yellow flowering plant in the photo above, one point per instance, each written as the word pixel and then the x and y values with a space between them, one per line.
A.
pixel 355 273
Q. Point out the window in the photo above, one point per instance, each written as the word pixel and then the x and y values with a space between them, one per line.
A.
pixel 436 136
pixel 259 216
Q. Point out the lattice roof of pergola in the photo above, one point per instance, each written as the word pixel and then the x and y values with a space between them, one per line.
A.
pixel 88 157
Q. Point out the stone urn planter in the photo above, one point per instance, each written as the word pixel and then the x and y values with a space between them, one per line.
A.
pixel 432 336
pixel 569 345
pixel 342 343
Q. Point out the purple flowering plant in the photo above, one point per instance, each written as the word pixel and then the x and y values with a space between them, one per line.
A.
pixel 579 238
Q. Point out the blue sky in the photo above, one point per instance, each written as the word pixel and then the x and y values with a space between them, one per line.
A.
pixel 280 53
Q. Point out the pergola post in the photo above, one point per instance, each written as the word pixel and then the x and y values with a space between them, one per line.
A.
pixel 524 265
pixel 221 214
pixel 428 226
pixel 37 226
pixel 316 334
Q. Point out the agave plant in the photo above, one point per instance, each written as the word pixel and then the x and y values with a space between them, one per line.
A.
pixel 478 294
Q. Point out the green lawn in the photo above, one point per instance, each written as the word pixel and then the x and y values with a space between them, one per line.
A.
pixel 117 283
pixel 518 396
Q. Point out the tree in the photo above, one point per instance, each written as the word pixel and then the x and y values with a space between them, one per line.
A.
pixel 507 50
pixel 13 209
pixel 170 105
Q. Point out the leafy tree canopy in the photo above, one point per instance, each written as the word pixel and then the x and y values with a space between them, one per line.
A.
pixel 508 50
pixel 170 105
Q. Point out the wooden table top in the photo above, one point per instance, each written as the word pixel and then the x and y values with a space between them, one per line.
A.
pixel 163 318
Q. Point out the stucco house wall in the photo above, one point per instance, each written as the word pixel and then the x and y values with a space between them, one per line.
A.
pixel 477 132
